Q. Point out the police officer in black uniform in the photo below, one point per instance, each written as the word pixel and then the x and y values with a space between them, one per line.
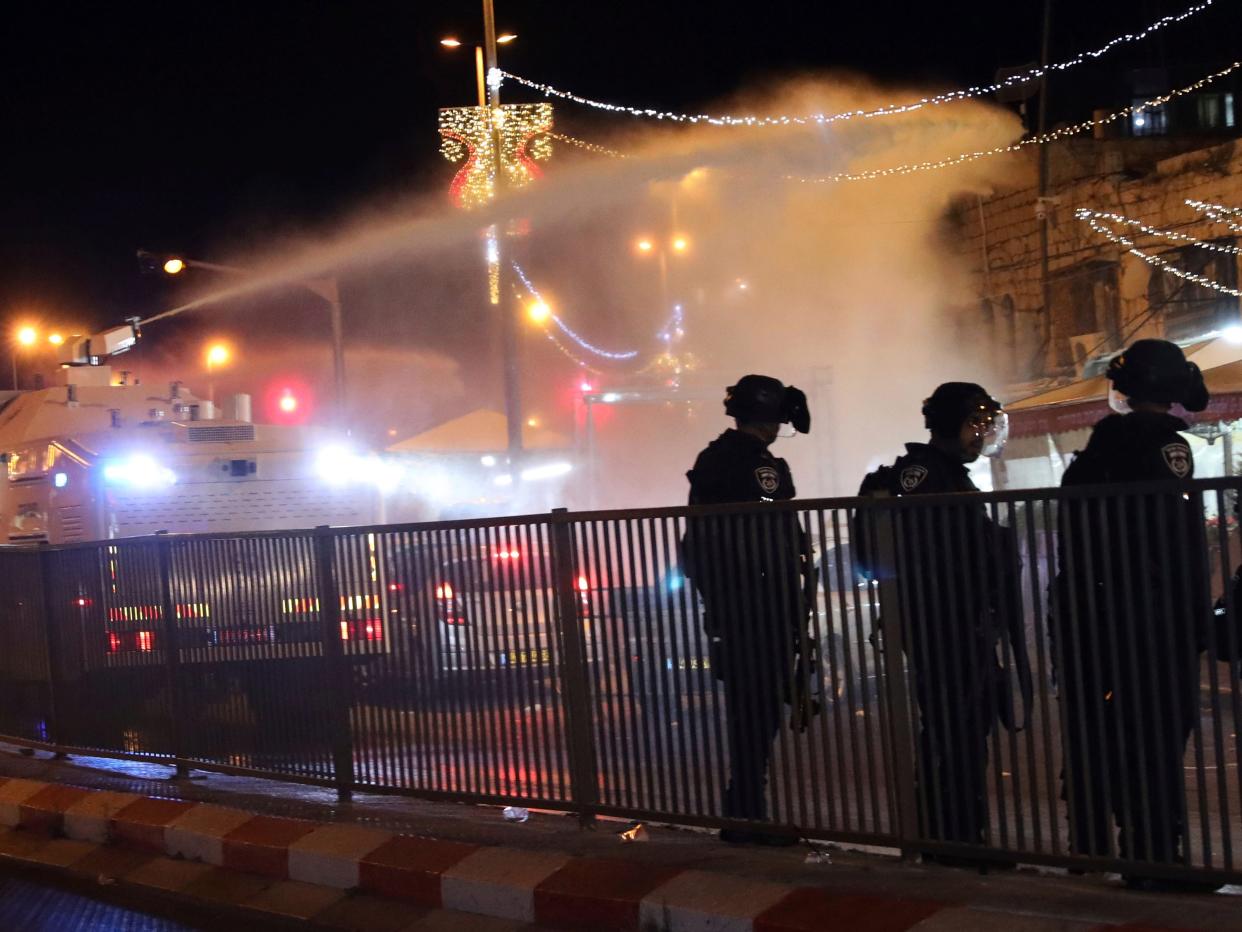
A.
pixel 752 572
pixel 954 566
pixel 1127 669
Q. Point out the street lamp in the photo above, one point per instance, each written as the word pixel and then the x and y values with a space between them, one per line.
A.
pixel 27 337
pixel 538 312
pixel 678 244
pixel 449 42
pixel 325 288
pixel 217 355
pixel 485 66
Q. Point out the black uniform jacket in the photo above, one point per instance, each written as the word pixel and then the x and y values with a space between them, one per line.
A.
pixel 1131 615
pixel 748 568
pixel 955 567
pixel 739 467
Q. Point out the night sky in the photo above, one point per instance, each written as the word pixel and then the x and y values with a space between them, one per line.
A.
pixel 184 127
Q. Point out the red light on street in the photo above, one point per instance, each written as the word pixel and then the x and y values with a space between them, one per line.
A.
pixel 146 640
pixel 288 399
pixel 114 642
pixel 81 602
pixel 583 584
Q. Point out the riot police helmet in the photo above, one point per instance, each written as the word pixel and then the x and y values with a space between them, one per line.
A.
pixel 1157 371
pixel 763 399
pixel 965 411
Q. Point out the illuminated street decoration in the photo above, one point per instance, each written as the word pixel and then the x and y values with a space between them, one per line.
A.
pixel 588 146
pixel 1219 213
pixel 888 110
pixel 466 136
pixel 1173 236
pixel 1103 224
pixel 1039 139
pixel 545 314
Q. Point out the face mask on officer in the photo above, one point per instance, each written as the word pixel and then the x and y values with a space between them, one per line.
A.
pixel 1154 375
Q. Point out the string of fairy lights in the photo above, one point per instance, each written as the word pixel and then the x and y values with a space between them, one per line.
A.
pixel 1031 74
pixel 1105 223
pixel 565 338
pixel 1218 213
pixel 588 146
pixel 1173 236
pixel 1039 139
pixel 616 356
pixel 663 359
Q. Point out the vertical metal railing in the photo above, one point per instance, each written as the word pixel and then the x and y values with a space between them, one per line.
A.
pixel 600 664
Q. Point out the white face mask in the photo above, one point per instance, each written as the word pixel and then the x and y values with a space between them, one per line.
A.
pixel 1117 401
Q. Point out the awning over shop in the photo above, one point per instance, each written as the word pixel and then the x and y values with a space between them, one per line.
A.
pixel 480 431
pixel 1080 404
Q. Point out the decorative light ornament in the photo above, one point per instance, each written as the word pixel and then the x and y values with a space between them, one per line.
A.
pixel 1101 227
pixel 467 136
pixel 588 146
pixel 1037 140
pixel 888 110
pixel 1173 236
pixel 1218 213
pixel 548 314
pixel 493 266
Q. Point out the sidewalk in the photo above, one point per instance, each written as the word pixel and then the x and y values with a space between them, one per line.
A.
pixel 546 870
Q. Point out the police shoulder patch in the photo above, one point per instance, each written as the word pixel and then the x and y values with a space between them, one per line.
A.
pixel 911 476
pixel 1177 458
pixel 769 479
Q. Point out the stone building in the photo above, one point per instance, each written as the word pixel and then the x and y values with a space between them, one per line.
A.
pixel 1054 326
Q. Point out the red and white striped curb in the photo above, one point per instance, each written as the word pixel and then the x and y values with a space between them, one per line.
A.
pixel 520 885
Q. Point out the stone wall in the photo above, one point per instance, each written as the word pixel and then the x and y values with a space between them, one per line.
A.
pixel 1097 288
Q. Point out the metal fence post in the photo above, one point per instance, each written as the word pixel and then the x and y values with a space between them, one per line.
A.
pixel 336 664
pixel 56 732
pixel 900 710
pixel 172 657
pixel 583 763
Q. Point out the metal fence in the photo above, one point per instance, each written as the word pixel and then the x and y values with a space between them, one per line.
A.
pixel 567 661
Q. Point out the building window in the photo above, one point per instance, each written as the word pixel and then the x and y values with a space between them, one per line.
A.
pixel 1084 312
pixel 1210 116
pixel 1215 111
pixel 1150 121
pixel 1191 310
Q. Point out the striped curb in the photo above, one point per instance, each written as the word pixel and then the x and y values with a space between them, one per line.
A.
pixel 301 869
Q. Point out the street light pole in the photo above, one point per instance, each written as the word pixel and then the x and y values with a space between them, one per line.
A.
pixel 508 306
pixel 326 288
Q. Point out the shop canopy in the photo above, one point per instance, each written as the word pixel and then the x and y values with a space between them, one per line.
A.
pixel 1080 404
pixel 479 432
